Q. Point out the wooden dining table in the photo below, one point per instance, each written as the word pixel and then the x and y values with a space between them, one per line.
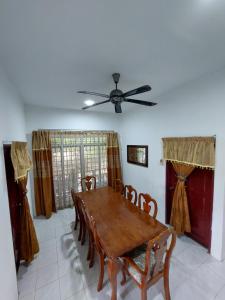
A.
pixel 121 226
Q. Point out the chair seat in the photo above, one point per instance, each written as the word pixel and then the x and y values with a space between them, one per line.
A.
pixel 138 256
pixel 149 263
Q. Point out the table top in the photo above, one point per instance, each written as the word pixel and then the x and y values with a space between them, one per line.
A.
pixel 121 226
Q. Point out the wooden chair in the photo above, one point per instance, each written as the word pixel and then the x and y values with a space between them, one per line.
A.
pixel 101 254
pixel 79 217
pixel 91 248
pixel 146 267
pixel 118 185
pixel 145 202
pixel 130 194
pixel 89 182
pixel 75 202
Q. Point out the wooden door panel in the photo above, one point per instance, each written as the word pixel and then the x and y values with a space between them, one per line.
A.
pixel 199 187
pixel 14 202
pixel 200 201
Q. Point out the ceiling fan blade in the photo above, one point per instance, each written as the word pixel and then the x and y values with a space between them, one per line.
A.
pixel 141 89
pixel 93 93
pixel 95 104
pixel 141 102
pixel 118 108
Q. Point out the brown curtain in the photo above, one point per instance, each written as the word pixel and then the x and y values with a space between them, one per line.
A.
pixel 28 243
pixel 22 163
pixel 180 214
pixel 113 157
pixel 43 174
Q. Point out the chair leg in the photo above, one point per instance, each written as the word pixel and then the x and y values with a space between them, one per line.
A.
pixel 76 219
pixel 124 279
pixel 144 294
pixel 91 263
pixel 166 287
pixel 83 233
pixel 90 245
pixel 81 229
pixel 101 275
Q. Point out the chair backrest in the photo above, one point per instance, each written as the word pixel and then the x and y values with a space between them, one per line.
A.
pixel 76 200
pixel 88 183
pixel 159 250
pixel 148 204
pixel 130 194
pixel 73 195
pixel 117 185
pixel 96 237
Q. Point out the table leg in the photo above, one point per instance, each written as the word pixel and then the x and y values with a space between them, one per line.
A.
pixel 112 271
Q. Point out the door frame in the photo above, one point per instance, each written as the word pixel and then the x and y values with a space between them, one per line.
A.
pixel 168 206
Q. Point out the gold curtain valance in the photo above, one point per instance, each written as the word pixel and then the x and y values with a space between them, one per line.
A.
pixel 41 140
pixel 20 159
pixel 196 151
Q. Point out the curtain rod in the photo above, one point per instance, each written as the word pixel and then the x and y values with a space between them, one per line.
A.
pixel 75 130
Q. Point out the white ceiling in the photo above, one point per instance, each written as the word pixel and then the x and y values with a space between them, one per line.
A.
pixel 52 48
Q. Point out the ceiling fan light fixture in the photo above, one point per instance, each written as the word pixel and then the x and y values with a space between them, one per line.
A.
pixel 89 102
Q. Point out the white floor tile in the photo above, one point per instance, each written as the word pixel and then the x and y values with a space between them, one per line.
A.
pixel 221 294
pixel 78 296
pixel 192 257
pixel 27 285
pixel 62 230
pixel 47 244
pixel 67 266
pixel 207 280
pixel 29 296
pixel 48 292
pixel 92 294
pixel 61 272
pixel 47 275
pixel 188 290
pixel 66 249
pixel 46 258
pixel 182 243
pixel 178 273
pixel 26 270
pixel 217 266
pixel 70 284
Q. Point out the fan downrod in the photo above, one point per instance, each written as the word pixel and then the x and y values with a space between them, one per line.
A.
pixel 116 77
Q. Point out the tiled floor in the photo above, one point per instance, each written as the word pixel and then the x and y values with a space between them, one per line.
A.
pixel 60 271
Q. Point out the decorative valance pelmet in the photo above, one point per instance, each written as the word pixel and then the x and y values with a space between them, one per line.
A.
pixel 196 151
pixel 20 159
pixel 41 140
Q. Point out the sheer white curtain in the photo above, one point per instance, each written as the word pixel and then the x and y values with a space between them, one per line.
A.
pixel 76 155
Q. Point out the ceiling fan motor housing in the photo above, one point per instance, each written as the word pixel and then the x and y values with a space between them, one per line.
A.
pixel 116 96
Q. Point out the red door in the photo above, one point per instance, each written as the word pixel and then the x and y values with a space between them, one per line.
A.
pixel 199 187
pixel 15 203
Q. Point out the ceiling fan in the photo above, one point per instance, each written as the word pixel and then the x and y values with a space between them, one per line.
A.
pixel 116 96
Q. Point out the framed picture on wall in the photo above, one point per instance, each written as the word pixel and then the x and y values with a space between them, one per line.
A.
pixel 138 155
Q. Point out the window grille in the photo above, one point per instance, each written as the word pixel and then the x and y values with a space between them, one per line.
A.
pixel 76 155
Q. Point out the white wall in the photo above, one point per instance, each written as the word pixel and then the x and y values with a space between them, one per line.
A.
pixel 12 127
pixel 195 109
pixel 38 117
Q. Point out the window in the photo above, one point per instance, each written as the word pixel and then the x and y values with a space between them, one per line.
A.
pixel 76 155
